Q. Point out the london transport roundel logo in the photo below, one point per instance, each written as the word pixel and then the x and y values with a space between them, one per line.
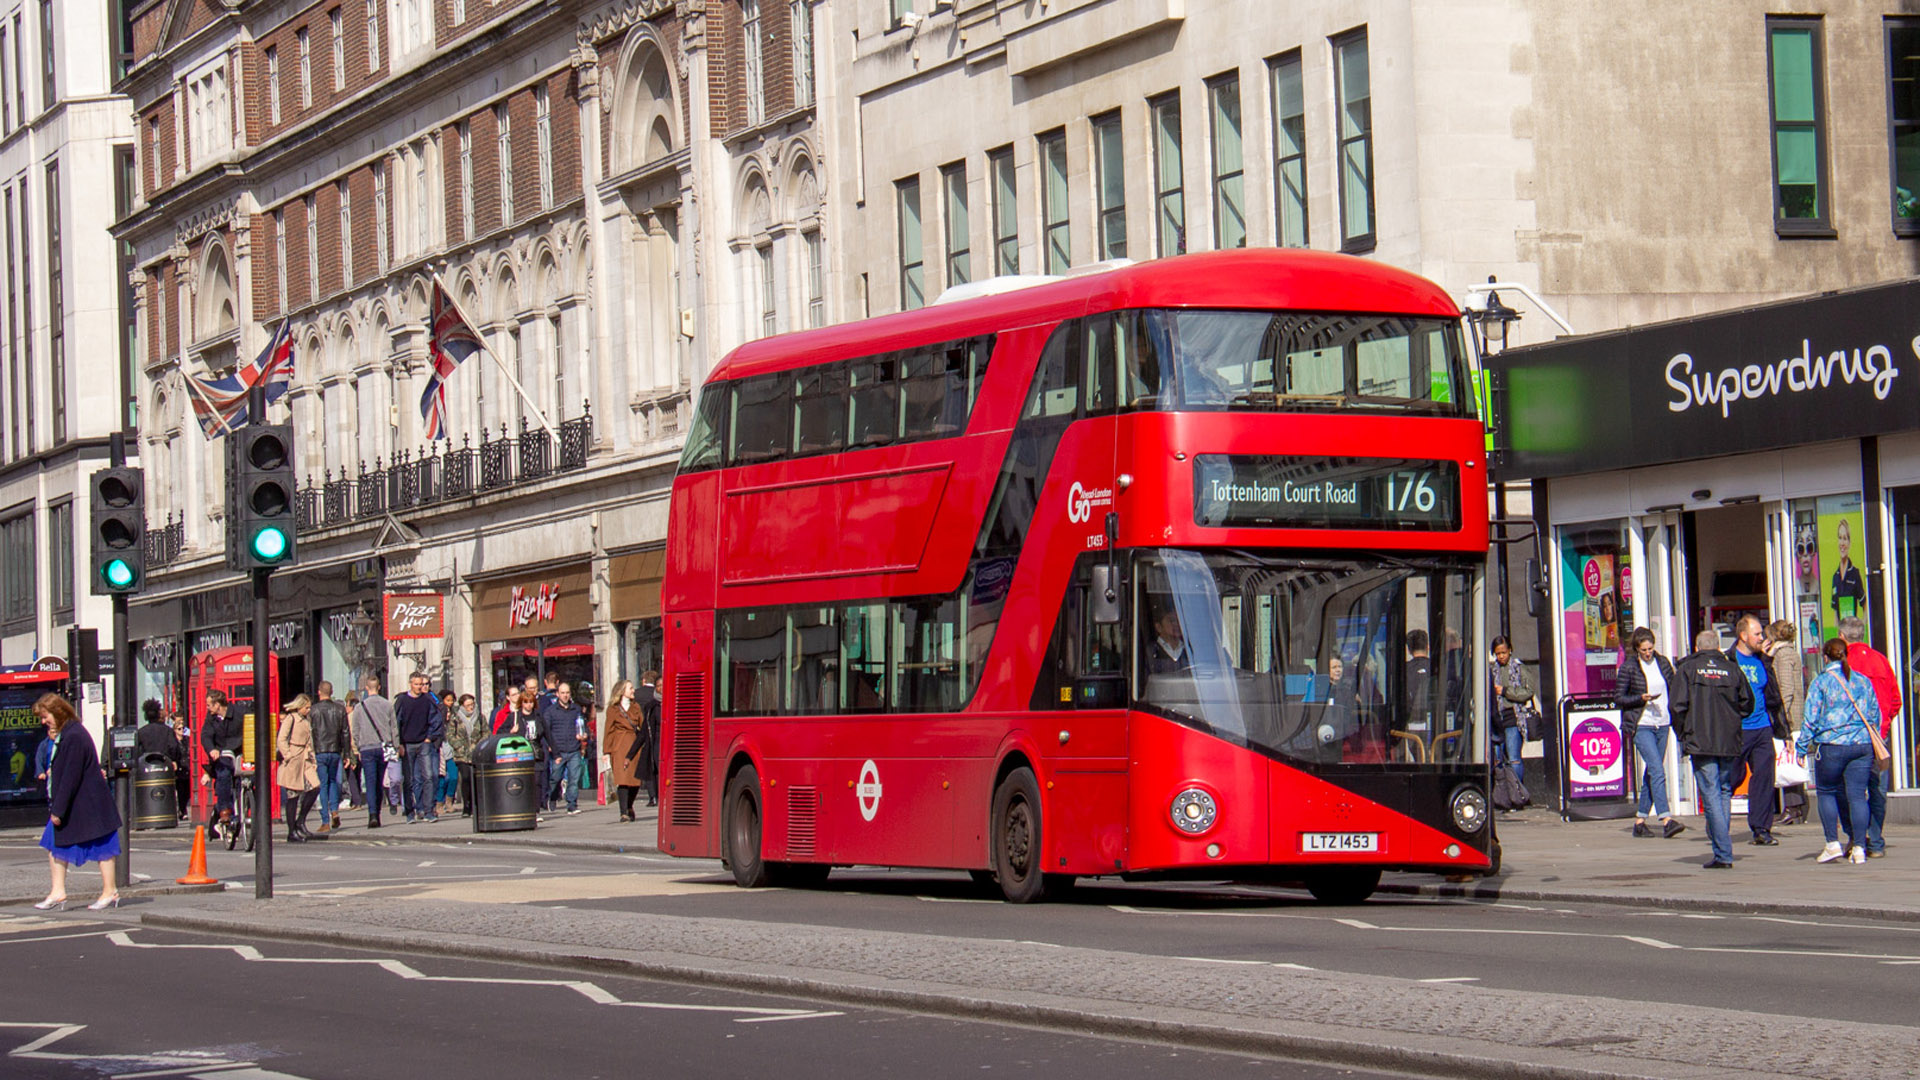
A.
pixel 869 790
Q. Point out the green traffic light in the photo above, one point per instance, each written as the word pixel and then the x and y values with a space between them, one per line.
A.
pixel 117 573
pixel 270 544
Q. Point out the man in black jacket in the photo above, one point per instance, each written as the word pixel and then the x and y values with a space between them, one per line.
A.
pixel 329 720
pixel 156 737
pixel 1710 699
pixel 648 699
pixel 220 736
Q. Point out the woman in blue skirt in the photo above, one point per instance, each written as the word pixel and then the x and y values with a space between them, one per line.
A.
pixel 82 824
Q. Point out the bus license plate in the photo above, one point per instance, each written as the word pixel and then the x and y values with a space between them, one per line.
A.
pixel 1339 841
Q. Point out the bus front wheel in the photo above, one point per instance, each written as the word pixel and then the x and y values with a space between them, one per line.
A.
pixel 742 830
pixel 1343 886
pixel 1016 841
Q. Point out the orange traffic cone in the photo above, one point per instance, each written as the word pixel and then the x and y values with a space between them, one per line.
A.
pixel 197 864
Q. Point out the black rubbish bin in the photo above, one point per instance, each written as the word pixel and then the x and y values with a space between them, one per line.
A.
pixel 504 794
pixel 155 800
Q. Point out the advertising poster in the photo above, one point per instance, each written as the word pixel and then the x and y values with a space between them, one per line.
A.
pixel 1596 753
pixel 1842 544
pixel 1595 583
pixel 1602 608
pixel 20 736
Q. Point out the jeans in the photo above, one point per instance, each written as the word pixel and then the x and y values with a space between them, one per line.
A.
pixel 448 785
pixel 1876 804
pixel 1840 770
pixel 423 771
pixel 1651 744
pixel 1714 777
pixel 222 785
pixel 373 772
pixel 329 786
pixel 569 766
pixel 1507 744
pixel 1756 757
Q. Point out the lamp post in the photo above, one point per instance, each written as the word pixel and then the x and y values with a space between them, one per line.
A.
pixel 1490 322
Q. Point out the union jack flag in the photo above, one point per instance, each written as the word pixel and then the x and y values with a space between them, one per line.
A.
pixel 221 404
pixel 449 343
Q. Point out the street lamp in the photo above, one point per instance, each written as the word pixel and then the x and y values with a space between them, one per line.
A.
pixel 1490 321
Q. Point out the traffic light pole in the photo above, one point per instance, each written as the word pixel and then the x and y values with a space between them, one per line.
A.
pixel 264 711
pixel 122 705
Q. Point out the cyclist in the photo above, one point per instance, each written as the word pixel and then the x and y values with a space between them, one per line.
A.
pixel 220 735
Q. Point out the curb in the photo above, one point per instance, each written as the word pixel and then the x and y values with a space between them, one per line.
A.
pixel 134 891
pixel 1113 1022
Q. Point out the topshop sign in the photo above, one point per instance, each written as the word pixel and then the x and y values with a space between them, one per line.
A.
pixel 1836 366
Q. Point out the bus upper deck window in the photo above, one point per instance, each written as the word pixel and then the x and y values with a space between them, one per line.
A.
pixel 820 410
pixel 873 402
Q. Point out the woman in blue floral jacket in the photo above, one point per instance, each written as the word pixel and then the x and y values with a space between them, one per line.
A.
pixel 1837 732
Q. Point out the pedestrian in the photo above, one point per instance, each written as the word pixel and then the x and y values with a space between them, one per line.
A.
pixel 372 728
pixel 1641 690
pixel 352 779
pixel 649 701
pixel 328 719
pixel 1841 712
pixel 220 735
pixel 418 712
pixel 1869 661
pixel 563 727
pixel 183 772
pixel 156 739
pixel 1764 723
pixel 299 774
pixel 1790 673
pixel 82 824
pixel 1513 693
pixel 443 795
pixel 623 746
pixel 1709 700
pixel 465 730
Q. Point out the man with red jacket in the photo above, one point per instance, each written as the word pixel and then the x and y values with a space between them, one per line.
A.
pixel 1870 662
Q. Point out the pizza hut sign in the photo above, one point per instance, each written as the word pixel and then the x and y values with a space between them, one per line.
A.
pixel 526 608
pixel 415 615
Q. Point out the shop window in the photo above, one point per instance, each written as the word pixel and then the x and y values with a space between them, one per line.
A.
pixel 1798 107
pixel 1593 565
pixel 1903 122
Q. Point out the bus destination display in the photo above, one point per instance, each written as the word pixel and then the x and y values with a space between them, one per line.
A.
pixel 1308 492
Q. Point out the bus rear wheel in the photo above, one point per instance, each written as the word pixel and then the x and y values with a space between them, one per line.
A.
pixel 1343 886
pixel 741 829
pixel 1016 841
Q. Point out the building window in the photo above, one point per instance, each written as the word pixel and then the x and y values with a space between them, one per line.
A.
pixel 380 215
pixel 6 77
pixel 19 69
pixel 543 133
pixel 800 22
pixel 14 374
pixel 17 600
pixel 503 150
pixel 816 278
pixel 26 311
pixel 1169 198
pixel 339 31
pixel 769 298
pixel 48 50
pixel 1903 122
pixel 459 12
pixel 1006 212
pixel 56 309
pixel 466 180
pixel 1355 107
pixel 306 67
pixel 422 199
pixel 1289 152
pixel 416 24
pixel 1109 168
pixel 913 283
pixel 373 36
pixel 1799 132
pixel 1055 242
pixel 346 232
pixel 60 561
pixel 1229 174
pixel 273 85
pixel 313 248
pixel 953 182
pixel 750 55
pixel 898 10
pixel 210 121
pixel 280 258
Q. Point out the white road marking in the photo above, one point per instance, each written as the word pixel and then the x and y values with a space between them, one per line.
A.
pixel 529 869
pixel 429 862
pixel 1220 960
pixel 1451 979
pixel 591 991
pixel 183 1061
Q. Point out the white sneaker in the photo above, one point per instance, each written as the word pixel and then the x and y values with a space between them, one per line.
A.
pixel 1832 853
pixel 1859 854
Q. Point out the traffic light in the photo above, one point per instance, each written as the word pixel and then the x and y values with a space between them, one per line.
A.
pixel 118 545
pixel 260 519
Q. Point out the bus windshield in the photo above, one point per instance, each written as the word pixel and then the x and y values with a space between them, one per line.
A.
pixel 1268 360
pixel 1323 661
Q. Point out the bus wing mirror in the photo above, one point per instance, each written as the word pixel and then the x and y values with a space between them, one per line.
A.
pixel 1106 595
pixel 1533 588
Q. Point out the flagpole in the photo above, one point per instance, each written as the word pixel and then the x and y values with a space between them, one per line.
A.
pixel 193 387
pixel 532 406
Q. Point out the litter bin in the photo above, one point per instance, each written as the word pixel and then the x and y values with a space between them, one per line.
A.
pixel 504 795
pixel 155 800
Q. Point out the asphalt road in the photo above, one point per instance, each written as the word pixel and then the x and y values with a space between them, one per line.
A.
pixel 87 998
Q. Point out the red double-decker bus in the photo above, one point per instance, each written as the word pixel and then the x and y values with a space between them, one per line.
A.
pixel 1168 570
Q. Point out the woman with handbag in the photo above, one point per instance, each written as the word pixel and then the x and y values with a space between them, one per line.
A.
pixel 1845 745
pixel 299 773
pixel 623 746
pixel 1641 692
pixel 1513 693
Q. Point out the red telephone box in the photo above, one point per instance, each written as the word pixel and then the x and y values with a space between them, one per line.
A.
pixel 230 671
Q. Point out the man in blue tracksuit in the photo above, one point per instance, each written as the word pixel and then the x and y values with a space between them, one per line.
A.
pixel 1766 722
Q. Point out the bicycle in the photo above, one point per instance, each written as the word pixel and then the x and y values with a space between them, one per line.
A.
pixel 241 824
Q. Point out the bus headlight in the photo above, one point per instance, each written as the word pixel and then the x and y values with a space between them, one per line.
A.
pixel 1469 810
pixel 1194 811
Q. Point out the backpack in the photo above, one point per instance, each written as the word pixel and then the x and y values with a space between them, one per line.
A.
pixel 1508 792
